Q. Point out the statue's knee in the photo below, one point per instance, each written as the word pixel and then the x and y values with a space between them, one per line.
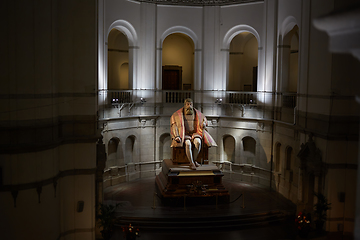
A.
pixel 197 142
pixel 187 143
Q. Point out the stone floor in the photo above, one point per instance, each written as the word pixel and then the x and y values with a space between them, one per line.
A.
pixel 138 201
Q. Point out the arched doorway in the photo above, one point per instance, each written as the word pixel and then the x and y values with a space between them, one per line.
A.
pixel 243 63
pixel 277 157
pixel 289 72
pixel 178 62
pixel 118 61
pixel 164 148
pixel 229 148
pixel 129 150
pixel 249 147
pixel 112 153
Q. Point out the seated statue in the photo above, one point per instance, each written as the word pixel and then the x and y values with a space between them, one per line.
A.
pixel 188 128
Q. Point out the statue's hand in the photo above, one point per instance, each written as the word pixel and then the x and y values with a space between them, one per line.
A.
pixel 178 139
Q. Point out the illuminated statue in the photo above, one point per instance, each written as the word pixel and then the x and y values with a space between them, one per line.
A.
pixel 188 128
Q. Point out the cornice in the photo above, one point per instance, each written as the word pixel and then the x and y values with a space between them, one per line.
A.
pixel 198 2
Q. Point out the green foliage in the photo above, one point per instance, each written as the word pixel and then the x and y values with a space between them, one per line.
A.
pixel 107 219
pixel 321 207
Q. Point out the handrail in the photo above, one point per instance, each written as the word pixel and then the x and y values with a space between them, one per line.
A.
pixel 116 97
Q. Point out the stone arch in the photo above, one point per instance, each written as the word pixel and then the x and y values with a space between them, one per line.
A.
pixel 235 31
pixel 180 29
pixel 164 147
pixel 287 25
pixel 229 148
pixel 126 28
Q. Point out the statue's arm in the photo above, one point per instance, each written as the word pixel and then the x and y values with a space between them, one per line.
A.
pixel 174 130
pixel 205 123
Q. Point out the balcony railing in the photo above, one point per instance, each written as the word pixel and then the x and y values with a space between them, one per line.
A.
pixel 241 97
pixel 116 97
pixel 176 96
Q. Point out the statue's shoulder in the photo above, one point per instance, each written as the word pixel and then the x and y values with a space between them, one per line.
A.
pixel 198 113
pixel 177 113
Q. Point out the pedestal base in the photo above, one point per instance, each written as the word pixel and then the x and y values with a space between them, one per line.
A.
pixel 201 185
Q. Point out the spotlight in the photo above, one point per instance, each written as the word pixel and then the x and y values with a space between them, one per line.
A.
pixel 218 100
pixel 142 100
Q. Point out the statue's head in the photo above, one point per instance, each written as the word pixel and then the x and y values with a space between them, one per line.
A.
pixel 188 106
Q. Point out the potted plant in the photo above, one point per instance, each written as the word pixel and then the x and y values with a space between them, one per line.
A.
pixel 107 219
pixel 321 207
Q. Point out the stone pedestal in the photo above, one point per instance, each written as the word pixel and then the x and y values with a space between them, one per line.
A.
pixel 203 185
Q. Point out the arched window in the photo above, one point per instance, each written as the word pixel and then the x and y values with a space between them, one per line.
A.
pixel 249 146
pixel 290 67
pixel 229 148
pixel 129 149
pixel 288 155
pixel 243 63
pixel 277 157
pixel 178 62
pixel 164 148
pixel 118 61
pixel 294 61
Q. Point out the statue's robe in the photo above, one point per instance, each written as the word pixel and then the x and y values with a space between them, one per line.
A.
pixel 177 128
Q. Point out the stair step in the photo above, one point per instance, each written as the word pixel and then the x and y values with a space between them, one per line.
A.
pixel 242 221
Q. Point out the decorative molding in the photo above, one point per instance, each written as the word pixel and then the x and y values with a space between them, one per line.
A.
pixel 118 50
pixel 236 53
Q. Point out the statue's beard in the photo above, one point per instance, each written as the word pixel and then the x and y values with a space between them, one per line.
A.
pixel 189 111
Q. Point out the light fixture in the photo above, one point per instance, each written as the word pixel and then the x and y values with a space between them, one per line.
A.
pixel 218 100
pixel 115 102
pixel 142 100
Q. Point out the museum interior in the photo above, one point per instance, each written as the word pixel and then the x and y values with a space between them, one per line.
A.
pixel 89 88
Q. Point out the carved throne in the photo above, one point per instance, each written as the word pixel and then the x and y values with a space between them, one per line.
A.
pixel 179 155
pixel 199 186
